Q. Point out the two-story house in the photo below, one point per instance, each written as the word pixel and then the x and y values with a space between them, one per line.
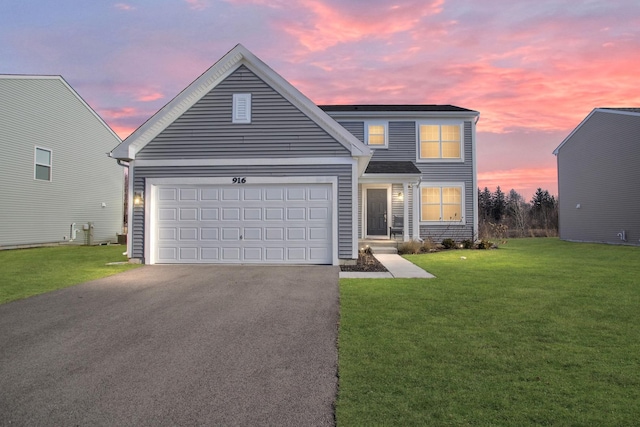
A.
pixel 241 167
pixel 57 186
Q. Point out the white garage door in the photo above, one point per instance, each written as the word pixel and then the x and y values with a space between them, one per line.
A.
pixel 273 223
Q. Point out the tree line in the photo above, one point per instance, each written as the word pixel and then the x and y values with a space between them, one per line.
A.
pixel 510 215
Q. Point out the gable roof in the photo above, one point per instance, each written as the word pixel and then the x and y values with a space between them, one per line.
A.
pixel 224 67
pixel 60 79
pixel 610 110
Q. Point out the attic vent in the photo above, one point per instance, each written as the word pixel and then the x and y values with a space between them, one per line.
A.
pixel 241 108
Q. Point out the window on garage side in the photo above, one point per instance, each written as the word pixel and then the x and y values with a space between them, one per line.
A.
pixel 441 203
pixel 440 142
pixel 42 167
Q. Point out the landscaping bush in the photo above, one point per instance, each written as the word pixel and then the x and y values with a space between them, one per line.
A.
pixel 410 247
pixel 485 244
pixel 448 244
pixel 467 244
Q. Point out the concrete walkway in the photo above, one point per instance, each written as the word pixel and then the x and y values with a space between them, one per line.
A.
pixel 397 267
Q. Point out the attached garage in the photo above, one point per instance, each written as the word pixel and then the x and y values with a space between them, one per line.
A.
pixel 241 168
pixel 272 223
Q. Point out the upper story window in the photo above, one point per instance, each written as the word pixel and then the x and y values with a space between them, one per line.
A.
pixel 441 203
pixel 376 134
pixel 440 141
pixel 241 108
pixel 42 168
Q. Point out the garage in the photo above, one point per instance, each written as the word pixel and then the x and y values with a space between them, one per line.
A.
pixel 278 223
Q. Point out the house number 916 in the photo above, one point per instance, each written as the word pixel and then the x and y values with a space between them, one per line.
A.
pixel 239 180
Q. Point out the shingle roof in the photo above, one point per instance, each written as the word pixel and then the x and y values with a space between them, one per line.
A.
pixel 392 168
pixel 394 107
pixel 631 110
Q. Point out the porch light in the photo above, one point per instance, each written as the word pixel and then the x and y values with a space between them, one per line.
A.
pixel 400 195
pixel 138 198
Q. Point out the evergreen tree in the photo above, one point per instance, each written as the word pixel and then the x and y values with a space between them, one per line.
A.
pixel 498 205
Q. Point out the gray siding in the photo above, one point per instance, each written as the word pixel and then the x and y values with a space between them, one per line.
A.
pixel 44 112
pixel 343 172
pixel 402 147
pixel 598 168
pixel 452 172
pixel 277 128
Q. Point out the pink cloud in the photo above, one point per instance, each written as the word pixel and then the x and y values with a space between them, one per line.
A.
pixel 123 6
pixel 198 4
pixel 147 96
pixel 329 24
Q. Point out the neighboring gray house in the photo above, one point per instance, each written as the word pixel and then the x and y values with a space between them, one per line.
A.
pixel 241 167
pixel 55 176
pixel 599 178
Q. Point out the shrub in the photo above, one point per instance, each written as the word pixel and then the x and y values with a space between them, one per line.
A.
pixel 410 247
pixel 467 244
pixel 484 244
pixel 448 244
pixel 428 245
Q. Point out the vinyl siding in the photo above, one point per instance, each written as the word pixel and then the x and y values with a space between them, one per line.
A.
pixel 342 172
pixel 402 147
pixel 598 168
pixel 277 128
pixel 45 113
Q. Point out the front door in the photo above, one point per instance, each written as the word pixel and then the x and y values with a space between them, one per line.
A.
pixel 376 212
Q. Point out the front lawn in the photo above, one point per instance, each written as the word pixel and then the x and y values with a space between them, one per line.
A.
pixel 27 272
pixel 538 332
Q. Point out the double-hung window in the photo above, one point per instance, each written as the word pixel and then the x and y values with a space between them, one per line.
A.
pixel 442 203
pixel 440 141
pixel 376 134
pixel 42 167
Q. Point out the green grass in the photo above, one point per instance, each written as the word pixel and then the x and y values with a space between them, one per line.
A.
pixel 27 272
pixel 538 332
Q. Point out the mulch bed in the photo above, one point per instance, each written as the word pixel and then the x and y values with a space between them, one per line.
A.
pixel 366 263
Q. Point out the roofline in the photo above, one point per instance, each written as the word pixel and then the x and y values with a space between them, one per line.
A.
pixel 404 114
pixel 595 110
pixel 213 76
pixel 68 86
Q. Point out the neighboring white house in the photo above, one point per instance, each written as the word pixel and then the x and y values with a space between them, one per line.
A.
pixel 241 167
pixel 599 178
pixel 55 176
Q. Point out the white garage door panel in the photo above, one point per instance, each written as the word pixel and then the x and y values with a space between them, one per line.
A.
pixel 272 223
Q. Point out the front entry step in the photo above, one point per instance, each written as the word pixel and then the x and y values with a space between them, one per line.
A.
pixel 383 250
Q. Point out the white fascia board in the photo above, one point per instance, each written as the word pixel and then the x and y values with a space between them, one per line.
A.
pixel 308 107
pixel 395 178
pixel 249 161
pixel 180 104
pixel 236 57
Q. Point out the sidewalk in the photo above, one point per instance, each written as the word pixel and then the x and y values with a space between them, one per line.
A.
pixel 397 267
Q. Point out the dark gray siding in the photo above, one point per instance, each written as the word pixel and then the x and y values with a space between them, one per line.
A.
pixel 599 169
pixel 343 172
pixel 277 128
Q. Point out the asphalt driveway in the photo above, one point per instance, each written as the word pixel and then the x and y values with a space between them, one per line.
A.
pixel 175 345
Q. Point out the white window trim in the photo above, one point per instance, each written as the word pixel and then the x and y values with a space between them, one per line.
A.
pixel 461 185
pixel 239 116
pixel 35 163
pixel 383 123
pixel 419 159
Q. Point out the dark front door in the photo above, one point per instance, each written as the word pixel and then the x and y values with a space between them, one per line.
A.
pixel 376 212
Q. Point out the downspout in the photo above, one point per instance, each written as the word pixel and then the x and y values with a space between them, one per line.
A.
pixel 126 164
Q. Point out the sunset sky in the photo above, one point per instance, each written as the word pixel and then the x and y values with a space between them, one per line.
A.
pixel 533 69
